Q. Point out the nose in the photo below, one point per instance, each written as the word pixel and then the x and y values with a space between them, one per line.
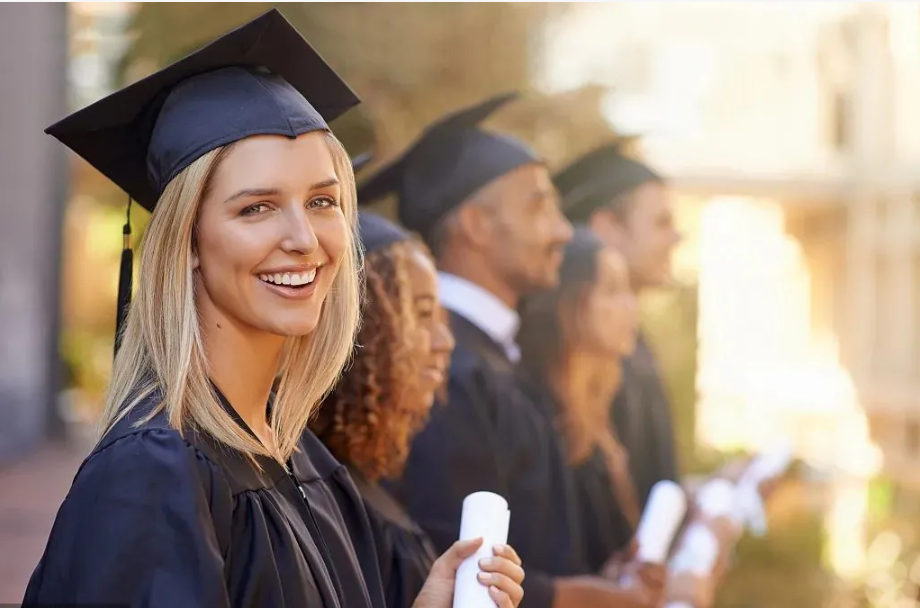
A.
pixel 299 237
pixel 676 236
pixel 563 232
pixel 442 341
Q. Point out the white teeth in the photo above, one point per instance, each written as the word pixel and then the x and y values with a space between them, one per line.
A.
pixel 289 278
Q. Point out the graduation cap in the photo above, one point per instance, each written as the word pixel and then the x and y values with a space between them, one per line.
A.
pixel 452 159
pixel 262 78
pixel 595 179
pixel 360 161
pixel 377 232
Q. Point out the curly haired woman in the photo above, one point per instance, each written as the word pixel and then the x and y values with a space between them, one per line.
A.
pixel 384 396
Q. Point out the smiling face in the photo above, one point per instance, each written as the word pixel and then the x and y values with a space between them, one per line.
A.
pixel 436 342
pixel 608 313
pixel 270 235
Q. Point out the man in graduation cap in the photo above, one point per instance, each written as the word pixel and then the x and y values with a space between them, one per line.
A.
pixel 486 206
pixel 628 205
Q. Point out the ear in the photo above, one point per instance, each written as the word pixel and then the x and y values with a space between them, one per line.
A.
pixel 475 223
pixel 606 225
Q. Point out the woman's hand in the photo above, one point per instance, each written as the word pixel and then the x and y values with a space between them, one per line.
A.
pixel 615 568
pixel 502 573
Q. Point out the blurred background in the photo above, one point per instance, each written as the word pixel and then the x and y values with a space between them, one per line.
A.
pixel 791 134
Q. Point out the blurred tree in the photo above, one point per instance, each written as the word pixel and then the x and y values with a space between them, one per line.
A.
pixel 409 63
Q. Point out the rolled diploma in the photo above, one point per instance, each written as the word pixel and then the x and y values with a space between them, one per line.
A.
pixel 663 515
pixel 716 499
pixel 697 554
pixel 484 515
pixel 767 465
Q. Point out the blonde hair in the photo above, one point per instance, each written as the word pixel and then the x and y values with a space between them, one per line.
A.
pixel 162 348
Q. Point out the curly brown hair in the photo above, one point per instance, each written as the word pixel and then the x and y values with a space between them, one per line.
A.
pixel 372 414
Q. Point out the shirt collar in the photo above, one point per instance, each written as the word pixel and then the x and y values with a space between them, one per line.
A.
pixel 481 308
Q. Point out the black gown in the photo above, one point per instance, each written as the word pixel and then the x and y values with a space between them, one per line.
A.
pixel 157 520
pixel 603 527
pixel 406 552
pixel 641 413
pixel 491 436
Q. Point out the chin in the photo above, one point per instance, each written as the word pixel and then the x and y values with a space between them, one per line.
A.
pixel 550 281
pixel 303 325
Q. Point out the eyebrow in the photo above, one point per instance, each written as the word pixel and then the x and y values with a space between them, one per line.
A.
pixel 250 192
pixel 253 192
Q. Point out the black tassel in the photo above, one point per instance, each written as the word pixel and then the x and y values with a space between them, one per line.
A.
pixel 125 280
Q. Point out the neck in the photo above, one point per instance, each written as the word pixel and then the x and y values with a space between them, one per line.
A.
pixel 479 271
pixel 243 364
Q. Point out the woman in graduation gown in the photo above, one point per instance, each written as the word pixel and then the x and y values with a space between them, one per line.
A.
pixel 383 398
pixel 572 338
pixel 204 488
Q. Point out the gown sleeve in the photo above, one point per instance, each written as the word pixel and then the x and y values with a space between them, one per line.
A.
pixel 138 529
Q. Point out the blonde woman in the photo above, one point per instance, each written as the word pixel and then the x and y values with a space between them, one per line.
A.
pixel 204 489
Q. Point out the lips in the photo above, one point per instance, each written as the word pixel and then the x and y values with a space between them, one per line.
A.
pixel 298 285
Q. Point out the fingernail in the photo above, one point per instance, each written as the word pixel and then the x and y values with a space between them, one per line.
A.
pixel 484 577
pixel 494 590
pixel 499 548
pixel 485 562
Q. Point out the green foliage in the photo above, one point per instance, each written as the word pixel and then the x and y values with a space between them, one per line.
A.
pixel 780 570
pixel 669 319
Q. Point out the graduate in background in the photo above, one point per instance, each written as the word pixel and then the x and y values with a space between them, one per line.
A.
pixel 485 205
pixel 628 205
pixel 384 396
pixel 573 340
pixel 204 488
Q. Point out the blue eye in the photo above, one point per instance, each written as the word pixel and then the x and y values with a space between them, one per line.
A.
pixel 322 202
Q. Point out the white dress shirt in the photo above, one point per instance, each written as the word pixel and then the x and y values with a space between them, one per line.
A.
pixel 482 309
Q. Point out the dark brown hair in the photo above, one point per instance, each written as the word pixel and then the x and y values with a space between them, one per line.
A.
pixel 548 321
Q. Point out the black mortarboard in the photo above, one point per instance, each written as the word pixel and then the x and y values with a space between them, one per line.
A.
pixel 451 160
pixel 262 78
pixel 360 161
pixel 377 232
pixel 598 177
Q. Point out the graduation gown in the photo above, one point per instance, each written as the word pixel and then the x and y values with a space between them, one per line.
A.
pixel 603 528
pixel 406 552
pixel 155 519
pixel 491 436
pixel 641 413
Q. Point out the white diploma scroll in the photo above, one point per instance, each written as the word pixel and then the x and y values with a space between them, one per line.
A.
pixel 667 505
pixel 697 554
pixel 716 498
pixel 767 465
pixel 484 515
